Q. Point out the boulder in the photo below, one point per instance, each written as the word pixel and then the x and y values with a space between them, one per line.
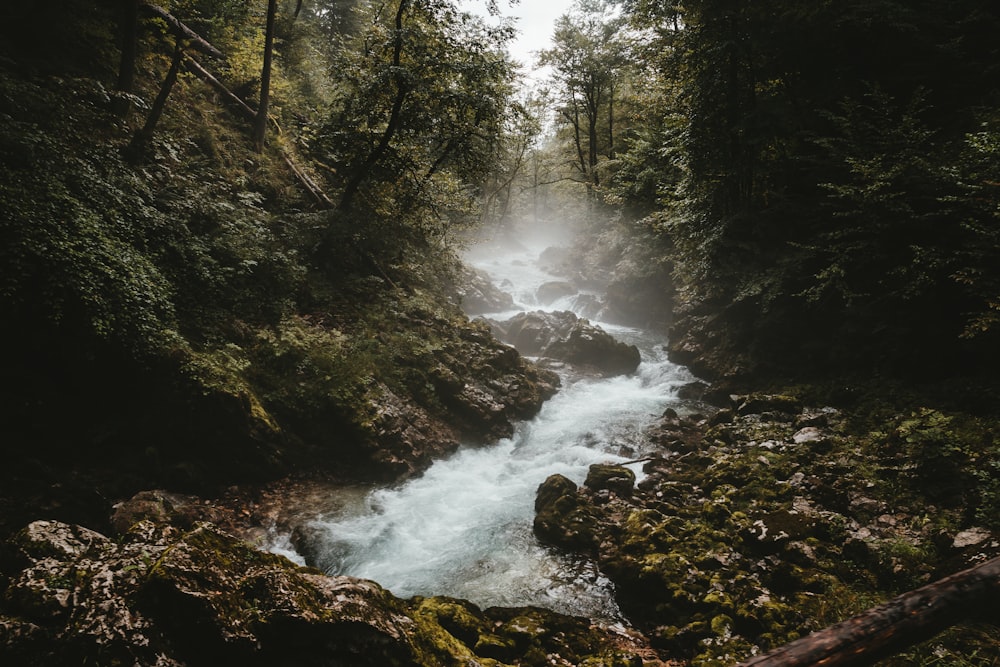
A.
pixel 548 293
pixel 555 259
pixel 618 479
pixel 165 596
pixel 563 517
pixel 590 346
pixel 565 337
pixel 477 294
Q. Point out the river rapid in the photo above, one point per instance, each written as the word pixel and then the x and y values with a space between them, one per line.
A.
pixel 464 528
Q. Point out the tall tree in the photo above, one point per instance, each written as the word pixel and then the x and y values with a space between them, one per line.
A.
pixel 814 145
pixel 586 58
pixel 260 123
pixel 423 94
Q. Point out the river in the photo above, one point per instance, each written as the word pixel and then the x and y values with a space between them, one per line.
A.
pixel 463 529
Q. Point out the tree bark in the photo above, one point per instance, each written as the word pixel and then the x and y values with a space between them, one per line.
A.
pixel 900 623
pixel 260 124
pixel 206 76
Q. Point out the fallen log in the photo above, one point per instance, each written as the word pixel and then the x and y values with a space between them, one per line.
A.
pixel 902 622
pixel 195 40
pixel 314 190
pixel 308 183
pixel 220 87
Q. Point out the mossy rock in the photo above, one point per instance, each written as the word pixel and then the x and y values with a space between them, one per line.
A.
pixel 615 478
pixel 563 517
pixel 754 404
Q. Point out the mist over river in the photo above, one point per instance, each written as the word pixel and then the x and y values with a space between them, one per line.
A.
pixel 464 528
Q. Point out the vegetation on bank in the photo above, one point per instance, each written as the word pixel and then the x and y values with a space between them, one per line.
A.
pixel 823 180
pixel 771 518
pixel 197 312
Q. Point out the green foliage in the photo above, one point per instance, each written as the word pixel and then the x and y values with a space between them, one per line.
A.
pixel 422 95
pixel 75 228
pixel 807 179
pixel 315 376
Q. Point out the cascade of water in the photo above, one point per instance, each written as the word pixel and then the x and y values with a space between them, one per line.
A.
pixel 464 528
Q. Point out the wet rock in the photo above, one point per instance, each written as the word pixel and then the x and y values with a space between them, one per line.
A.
pixel 562 516
pixel 692 391
pixel 163 596
pixel 556 260
pixel 565 337
pixel 532 333
pixel 768 403
pixel 478 295
pixel 548 293
pixel 617 479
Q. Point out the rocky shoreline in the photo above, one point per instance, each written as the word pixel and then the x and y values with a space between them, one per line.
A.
pixel 756 525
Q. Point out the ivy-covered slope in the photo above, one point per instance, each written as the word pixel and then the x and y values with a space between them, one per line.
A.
pixel 170 323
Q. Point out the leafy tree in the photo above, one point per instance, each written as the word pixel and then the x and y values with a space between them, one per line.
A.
pixel 587 58
pixel 816 165
pixel 423 94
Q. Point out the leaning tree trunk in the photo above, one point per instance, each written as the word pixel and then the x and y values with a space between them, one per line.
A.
pixel 896 625
pixel 140 142
pixel 260 124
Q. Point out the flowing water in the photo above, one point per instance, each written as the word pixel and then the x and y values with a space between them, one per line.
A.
pixel 463 529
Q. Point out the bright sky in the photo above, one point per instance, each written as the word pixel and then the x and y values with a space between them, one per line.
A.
pixel 535 23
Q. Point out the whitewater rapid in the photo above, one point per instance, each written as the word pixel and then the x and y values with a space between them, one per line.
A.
pixel 463 529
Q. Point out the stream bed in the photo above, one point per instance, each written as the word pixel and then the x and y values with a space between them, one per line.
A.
pixel 464 528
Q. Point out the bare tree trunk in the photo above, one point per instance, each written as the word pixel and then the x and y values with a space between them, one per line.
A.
pixel 193 39
pixel 130 42
pixel 909 619
pixel 140 142
pixel 611 119
pixel 260 124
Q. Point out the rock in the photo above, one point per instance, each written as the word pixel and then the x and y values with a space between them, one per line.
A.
pixel 618 479
pixel 166 597
pixel 590 346
pixel 565 337
pixel 692 391
pixel 548 293
pixel 477 294
pixel 639 301
pixel 555 259
pixel 755 404
pixel 562 517
pixel 807 435
pixel 971 537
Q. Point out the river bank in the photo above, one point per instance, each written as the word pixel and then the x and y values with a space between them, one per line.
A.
pixel 751 519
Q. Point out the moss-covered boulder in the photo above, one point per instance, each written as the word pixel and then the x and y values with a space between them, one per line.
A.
pixel 164 594
pixel 562 516
pixel 615 478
